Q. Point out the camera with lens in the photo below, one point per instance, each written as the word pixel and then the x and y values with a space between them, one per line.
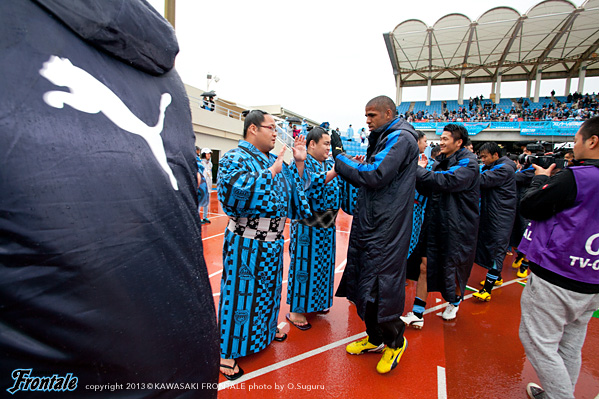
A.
pixel 540 158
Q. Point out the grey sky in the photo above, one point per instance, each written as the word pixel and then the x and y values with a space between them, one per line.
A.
pixel 323 59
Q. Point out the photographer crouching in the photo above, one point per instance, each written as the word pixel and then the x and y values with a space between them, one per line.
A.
pixel 562 245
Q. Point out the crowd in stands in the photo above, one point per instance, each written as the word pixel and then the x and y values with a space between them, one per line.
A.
pixel 573 107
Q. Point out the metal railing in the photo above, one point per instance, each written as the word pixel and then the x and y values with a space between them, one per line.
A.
pixel 219 109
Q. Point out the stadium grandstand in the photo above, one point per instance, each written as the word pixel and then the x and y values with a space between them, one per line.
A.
pixel 553 40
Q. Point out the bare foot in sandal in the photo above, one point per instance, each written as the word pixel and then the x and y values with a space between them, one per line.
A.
pixel 230 369
pixel 298 320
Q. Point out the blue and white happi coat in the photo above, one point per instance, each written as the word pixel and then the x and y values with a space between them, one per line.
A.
pixel 418 214
pixel 253 266
pixel 203 193
pixel 311 248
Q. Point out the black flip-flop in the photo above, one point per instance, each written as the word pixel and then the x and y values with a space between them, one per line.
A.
pixel 232 376
pixel 280 339
pixel 304 327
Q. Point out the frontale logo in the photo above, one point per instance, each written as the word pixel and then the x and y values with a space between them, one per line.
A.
pixel 24 381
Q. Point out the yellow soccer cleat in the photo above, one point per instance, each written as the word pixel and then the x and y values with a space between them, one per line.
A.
pixel 498 282
pixel 391 357
pixel 363 346
pixel 522 274
pixel 482 295
pixel 517 263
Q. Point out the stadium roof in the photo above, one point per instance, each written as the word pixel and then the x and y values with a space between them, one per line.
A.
pixel 554 37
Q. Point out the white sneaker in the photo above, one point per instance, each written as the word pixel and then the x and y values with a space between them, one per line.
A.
pixel 535 392
pixel 450 312
pixel 412 320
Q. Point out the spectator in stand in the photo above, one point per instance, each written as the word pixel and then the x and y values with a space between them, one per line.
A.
pixel 363 135
pixel 350 133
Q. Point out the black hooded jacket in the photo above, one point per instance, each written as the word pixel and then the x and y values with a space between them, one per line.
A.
pixel 498 198
pixel 102 273
pixel 382 224
pixel 451 220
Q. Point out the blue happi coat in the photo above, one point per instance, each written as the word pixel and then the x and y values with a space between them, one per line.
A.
pixel 253 268
pixel 203 195
pixel 311 248
pixel 418 214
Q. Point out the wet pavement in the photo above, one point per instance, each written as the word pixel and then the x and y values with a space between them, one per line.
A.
pixel 477 355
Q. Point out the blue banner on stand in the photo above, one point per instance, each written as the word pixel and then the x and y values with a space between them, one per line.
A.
pixel 545 128
pixel 473 128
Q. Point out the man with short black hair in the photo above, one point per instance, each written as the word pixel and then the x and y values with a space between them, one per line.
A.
pixel 312 240
pixel 562 245
pixel 497 210
pixel 452 216
pixel 258 193
pixel 374 277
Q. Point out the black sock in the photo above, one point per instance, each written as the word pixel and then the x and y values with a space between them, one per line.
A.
pixel 492 276
pixel 524 266
pixel 419 306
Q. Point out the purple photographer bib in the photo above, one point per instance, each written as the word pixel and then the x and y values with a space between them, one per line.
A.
pixel 568 243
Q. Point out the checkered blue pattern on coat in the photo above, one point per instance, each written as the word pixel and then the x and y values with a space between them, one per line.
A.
pixel 312 249
pixel 252 269
pixel 203 196
pixel 250 294
pixel 418 215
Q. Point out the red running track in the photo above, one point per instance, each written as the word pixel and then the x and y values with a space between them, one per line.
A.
pixel 477 355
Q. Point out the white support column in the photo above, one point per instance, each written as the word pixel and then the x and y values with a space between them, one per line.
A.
pixel 567 88
pixel 461 89
pixel 528 86
pixel 581 76
pixel 428 91
pixel 537 86
pixel 398 89
pixel 498 92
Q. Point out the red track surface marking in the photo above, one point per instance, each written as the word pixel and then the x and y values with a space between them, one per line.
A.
pixel 480 351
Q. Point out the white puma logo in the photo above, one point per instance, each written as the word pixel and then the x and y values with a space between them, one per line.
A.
pixel 89 95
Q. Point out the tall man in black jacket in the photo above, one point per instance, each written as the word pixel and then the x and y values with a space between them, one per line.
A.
pixel 375 274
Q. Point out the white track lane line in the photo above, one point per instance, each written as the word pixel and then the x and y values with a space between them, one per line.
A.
pixel 215 273
pixel 441 383
pixel 341 267
pixel 218 235
pixel 317 351
pixel 287 362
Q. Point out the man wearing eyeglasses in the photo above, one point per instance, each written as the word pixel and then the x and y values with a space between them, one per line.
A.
pixel 258 193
